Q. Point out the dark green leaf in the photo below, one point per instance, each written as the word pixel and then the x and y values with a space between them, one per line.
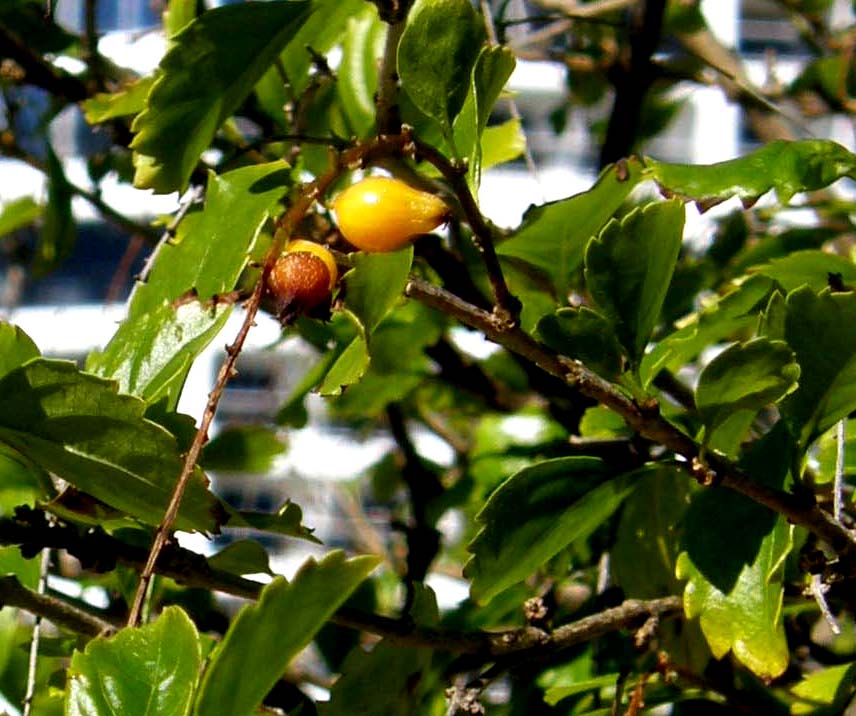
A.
pixel 58 233
pixel 109 105
pixel 287 520
pixel 28 21
pixel 746 376
pixel 212 66
pixel 77 426
pixel 809 268
pixel 554 236
pixel 535 514
pixel 18 213
pixel 146 671
pixel 436 55
pixel 376 284
pixel 585 335
pixel 821 330
pixel 787 167
pixel 265 636
pixel 629 267
pixel 152 350
pixel 16 348
pixel 244 448
pixel 245 556
pixel 734 562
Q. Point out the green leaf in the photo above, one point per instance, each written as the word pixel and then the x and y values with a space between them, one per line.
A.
pixel 77 426
pixel 375 284
pixel 821 330
pixel 153 348
pixel 259 652
pixel 554 236
pixel 109 105
pixel 825 692
pixel 585 335
pixel 287 520
pixel 438 49
pixel 736 311
pixel 178 15
pixel 502 143
pixel 629 267
pixel 787 167
pixel 811 268
pixel 245 556
pixel 362 45
pixel 398 669
pixel 18 213
pixel 535 514
pixel 146 671
pixel 734 563
pixel 58 233
pixel 16 348
pixel 212 66
pixel 349 368
pixel 243 448
pixel 746 376
pixel 492 70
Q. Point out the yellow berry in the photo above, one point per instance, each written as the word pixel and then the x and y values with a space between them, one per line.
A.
pixel 383 214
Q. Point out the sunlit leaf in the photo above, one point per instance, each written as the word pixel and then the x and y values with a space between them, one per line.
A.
pixel 16 347
pixel 357 78
pixel 109 105
pixel 18 213
pixel 825 692
pixel 811 268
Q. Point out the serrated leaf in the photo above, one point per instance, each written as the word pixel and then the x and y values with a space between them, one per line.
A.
pixel 553 237
pixel 825 692
pixel 145 671
pixel 153 348
pixel 18 213
pixel 787 167
pixel 245 556
pixel 629 267
pixel 809 268
pixel 746 376
pixel 535 514
pixel 265 636
pixel 734 312
pixel 734 562
pixel 109 105
pixel 821 330
pixel 212 66
pixel 438 49
pixel 356 83
pixel 243 448
pixel 585 335
pixel 77 426
pixel 375 284
pixel 16 348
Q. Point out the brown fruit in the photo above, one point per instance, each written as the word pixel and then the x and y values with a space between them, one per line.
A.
pixel 302 278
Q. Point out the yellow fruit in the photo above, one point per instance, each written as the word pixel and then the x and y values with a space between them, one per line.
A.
pixel 302 278
pixel 383 214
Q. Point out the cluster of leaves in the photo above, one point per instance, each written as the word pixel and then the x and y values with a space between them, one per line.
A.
pixel 637 363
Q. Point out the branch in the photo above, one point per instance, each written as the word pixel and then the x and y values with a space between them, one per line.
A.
pixel 64 615
pixel 644 419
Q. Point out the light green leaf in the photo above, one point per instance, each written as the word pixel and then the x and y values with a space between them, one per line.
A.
pixel 212 66
pixel 554 236
pixel 153 348
pixel 243 448
pixel 77 426
pixel 245 556
pixel 825 692
pixel 438 49
pixel 375 284
pixel 734 561
pixel 349 367
pixel 177 15
pixel 629 267
pixel 146 671
pixel 746 376
pixel 124 102
pixel 811 268
pixel 18 213
pixel 502 143
pixel 266 636
pixel 787 167
pixel 362 46
pixel 821 330
pixel 535 514
pixel 16 348
pixel 585 335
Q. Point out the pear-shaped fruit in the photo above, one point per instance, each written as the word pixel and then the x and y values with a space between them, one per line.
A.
pixel 383 214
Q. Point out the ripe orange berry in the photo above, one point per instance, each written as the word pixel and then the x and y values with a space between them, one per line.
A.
pixel 302 278
pixel 383 214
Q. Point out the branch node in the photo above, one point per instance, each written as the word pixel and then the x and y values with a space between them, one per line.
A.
pixel 703 473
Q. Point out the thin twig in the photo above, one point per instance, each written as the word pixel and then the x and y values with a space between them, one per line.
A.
pixel 643 419
pixel 838 485
pixel 33 659
pixel 818 591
